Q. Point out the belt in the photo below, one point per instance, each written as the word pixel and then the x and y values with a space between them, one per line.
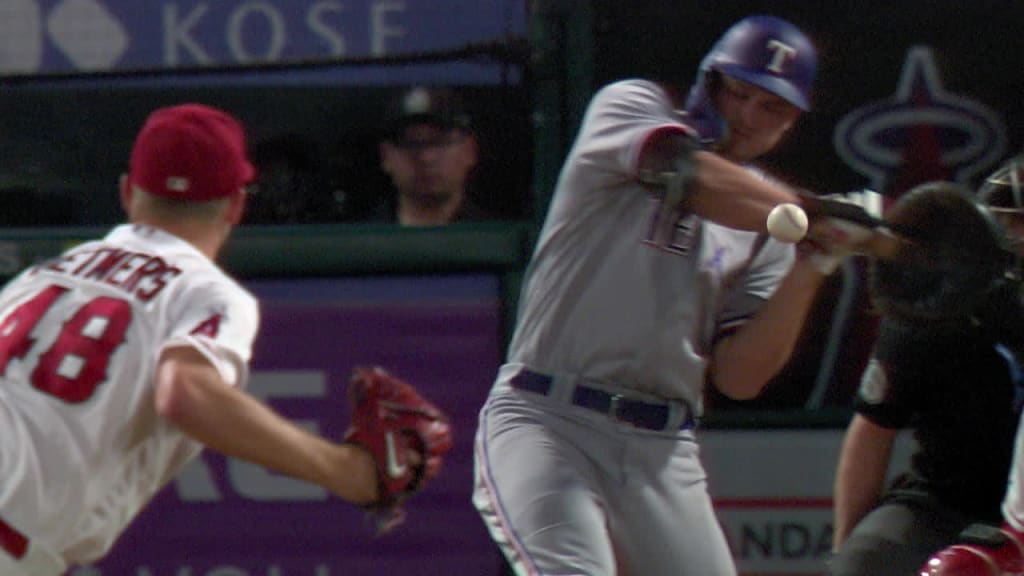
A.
pixel 639 413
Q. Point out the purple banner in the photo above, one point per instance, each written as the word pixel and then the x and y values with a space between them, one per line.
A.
pixel 47 36
pixel 227 518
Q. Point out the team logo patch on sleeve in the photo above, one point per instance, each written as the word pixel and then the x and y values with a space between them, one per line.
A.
pixel 874 384
pixel 209 327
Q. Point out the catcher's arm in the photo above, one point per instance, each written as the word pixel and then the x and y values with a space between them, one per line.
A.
pixel 192 396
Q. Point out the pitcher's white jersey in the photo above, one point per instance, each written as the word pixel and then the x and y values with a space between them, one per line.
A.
pixel 81 446
pixel 650 301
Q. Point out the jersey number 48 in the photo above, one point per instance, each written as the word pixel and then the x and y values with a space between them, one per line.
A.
pixel 76 363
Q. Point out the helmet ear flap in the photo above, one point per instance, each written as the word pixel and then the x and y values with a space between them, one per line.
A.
pixel 701 108
pixel 712 84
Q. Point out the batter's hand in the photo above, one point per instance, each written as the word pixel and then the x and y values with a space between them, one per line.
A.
pixel 406 434
pixel 833 238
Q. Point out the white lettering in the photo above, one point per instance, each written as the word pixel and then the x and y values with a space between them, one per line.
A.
pixel 176 33
pixel 278 32
pixel 145 571
pixel 227 571
pixel 780 54
pixel 258 483
pixel 314 19
pixel 221 570
pixel 380 30
pixel 195 483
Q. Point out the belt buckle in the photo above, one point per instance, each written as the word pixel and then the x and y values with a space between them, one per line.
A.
pixel 613 407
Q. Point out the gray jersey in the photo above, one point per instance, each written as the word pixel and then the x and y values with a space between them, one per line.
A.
pixel 605 301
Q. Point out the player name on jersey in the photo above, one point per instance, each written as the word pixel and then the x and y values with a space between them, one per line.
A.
pixel 136 273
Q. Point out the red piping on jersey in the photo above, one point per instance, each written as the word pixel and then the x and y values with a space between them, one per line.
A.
pixel 13 542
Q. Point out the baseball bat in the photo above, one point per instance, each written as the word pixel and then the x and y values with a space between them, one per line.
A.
pixel 887 241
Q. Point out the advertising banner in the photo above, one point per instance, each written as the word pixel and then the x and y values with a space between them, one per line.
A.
pixel 66 36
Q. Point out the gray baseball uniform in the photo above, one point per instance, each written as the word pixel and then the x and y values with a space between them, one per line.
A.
pixel 586 456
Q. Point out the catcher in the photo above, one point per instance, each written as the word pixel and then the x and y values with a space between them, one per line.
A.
pixel 942 366
pixel 996 548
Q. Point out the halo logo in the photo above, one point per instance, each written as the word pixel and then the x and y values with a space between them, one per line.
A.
pixel 920 134
pixel 84 32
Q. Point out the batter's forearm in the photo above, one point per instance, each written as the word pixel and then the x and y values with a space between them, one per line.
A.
pixel 714 188
pixel 731 195
pixel 746 360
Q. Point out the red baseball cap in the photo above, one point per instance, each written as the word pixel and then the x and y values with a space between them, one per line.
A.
pixel 191 152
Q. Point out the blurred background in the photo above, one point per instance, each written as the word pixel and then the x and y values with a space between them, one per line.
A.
pixel 907 92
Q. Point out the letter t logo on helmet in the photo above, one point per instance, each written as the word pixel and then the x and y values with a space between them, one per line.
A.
pixel 783 52
pixel 770 53
pixel 765 51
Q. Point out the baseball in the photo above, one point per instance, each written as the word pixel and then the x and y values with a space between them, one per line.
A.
pixel 787 222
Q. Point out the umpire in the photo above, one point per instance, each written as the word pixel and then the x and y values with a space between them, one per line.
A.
pixel 941 367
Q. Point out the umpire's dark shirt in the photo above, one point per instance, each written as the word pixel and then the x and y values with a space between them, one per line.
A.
pixel 955 389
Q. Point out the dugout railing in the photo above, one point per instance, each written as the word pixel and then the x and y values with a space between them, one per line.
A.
pixel 367 250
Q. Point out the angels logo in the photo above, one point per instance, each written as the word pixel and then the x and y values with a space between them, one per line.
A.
pixel 874 386
pixel 921 133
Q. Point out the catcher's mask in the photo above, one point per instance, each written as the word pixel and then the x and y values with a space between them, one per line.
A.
pixel 962 256
pixel 765 51
pixel 1003 193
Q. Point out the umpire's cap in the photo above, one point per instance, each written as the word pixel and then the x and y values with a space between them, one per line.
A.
pixel 433 105
pixel 190 152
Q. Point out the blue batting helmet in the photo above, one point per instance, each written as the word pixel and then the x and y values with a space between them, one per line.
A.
pixel 765 51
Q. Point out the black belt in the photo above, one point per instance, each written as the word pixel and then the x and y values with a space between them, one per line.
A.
pixel 646 415
pixel 11 541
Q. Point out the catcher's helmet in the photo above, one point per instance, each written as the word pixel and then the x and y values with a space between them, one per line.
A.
pixel 1003 193
pixel 1003 190
pixel 960 256
pixel 765 51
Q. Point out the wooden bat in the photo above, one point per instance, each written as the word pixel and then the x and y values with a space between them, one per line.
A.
pixel 887 241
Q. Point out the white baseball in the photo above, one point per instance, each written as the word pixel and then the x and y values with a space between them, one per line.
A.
pixel 787 222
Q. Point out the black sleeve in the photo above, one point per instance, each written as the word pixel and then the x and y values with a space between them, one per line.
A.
pixel 902 364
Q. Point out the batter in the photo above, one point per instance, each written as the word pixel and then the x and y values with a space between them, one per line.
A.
pixel 636 296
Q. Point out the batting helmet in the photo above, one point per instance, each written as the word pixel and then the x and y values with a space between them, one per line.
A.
pixel 961 256
pixel 765 51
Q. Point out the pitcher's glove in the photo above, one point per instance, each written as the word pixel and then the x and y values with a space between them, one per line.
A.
pixel 390 419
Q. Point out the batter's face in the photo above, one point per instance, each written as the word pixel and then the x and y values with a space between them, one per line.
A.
pixel 429 163
pixel 756 118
